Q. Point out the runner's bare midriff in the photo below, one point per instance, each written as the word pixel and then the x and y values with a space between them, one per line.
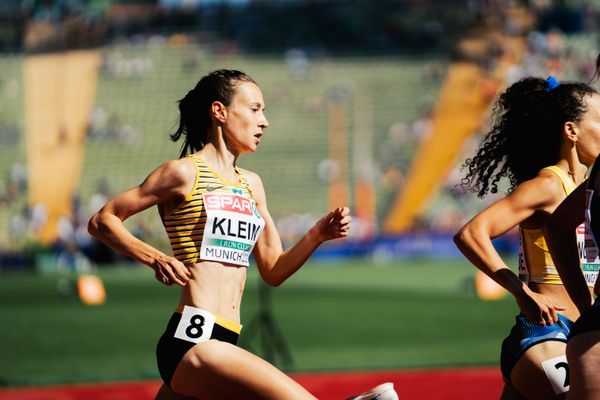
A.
pixel 560 296
pixel 215 287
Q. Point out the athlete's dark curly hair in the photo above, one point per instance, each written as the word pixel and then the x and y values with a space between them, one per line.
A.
pixel 194 118
pixel 527 123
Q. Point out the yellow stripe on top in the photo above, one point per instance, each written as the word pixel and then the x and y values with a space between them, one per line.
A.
pixel 185 224
pixel 566 180
pixel 537 257
pixel 224 322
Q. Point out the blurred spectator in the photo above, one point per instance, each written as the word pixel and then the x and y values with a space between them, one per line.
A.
pixel 103 127
pixel 18 176
pixel 118 65
pixel 297 63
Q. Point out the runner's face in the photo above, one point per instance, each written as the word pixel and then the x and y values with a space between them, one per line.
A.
pixel 589 131
pixel 246 119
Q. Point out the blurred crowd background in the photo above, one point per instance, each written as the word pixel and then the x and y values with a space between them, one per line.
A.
pixel 353 90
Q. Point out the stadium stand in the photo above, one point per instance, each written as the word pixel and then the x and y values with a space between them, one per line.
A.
pixel 142 73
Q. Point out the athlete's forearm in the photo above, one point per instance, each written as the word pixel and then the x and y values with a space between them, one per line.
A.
pixel 109 229
pixel 291 260
pixel 477 247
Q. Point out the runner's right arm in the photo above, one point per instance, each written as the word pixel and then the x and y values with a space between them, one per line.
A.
pixel 474 240
pixel 165 183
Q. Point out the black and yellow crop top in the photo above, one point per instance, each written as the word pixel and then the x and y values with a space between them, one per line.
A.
pixel 216 221
pixel 535 262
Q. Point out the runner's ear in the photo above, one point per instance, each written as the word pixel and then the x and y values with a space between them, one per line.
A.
pixel 218 111
pixel 570 131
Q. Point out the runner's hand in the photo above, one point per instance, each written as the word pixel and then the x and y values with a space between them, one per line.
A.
pixel 539 308
pixel 334 225
pixel 169 270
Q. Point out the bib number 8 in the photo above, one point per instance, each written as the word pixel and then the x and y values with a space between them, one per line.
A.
pixel 196 325
pixel 195 329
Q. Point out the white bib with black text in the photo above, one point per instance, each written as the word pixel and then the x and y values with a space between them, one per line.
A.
pixel 233 225
pixel 588 248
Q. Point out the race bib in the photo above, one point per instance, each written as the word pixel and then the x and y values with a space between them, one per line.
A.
pixel 233 225
pixel 196 325
pixel 588 248
pixel 523 270
pixel 557 371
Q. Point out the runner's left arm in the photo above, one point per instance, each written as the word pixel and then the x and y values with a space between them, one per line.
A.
pixel 276 264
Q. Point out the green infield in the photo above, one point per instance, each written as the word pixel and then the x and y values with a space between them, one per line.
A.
pixel 339 315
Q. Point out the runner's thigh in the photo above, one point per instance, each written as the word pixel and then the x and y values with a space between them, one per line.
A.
pixel 220 370
pixel 542 372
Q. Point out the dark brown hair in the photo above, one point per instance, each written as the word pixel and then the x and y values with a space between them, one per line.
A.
pixel 194 117
pixel 526 133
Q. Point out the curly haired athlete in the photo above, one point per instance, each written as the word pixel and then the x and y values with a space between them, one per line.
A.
pixel 543 139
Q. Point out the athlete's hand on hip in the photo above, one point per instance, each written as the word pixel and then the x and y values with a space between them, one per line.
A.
pixel 169 270
pixel 336 224
pixel 539 308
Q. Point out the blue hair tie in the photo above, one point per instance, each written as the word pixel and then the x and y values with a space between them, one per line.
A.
pixel 551 84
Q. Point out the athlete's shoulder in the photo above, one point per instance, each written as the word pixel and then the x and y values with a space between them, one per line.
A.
pixel 177 172
pixel 252 177
pixel 545 190
pixel 551 181
pixel 255 184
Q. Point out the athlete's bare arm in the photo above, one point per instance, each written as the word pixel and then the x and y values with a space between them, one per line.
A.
pixel 164 186
pixel 276 265
pixel 532 200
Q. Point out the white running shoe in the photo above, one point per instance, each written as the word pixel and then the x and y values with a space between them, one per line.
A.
pixel 385 391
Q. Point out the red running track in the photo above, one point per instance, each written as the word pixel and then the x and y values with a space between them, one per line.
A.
pixel 434 384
